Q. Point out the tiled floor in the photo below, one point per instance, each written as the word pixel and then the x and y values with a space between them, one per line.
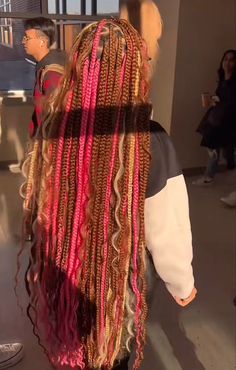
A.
pixel 200 337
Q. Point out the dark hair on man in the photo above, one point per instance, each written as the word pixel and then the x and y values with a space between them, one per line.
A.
pixel 44 25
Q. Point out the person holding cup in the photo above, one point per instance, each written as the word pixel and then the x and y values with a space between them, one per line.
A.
pixel 209 100
pixel 218 126
pixel 206 100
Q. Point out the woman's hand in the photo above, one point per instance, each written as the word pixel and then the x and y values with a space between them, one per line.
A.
pixel 185 301
pixel 214 100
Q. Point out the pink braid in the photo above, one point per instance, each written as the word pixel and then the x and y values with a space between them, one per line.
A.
pixel 70 315
pixel 82 145
pixel 64 333
pixel 85 176
pixel 88 154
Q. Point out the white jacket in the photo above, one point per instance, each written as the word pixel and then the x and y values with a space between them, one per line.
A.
pixel 167 224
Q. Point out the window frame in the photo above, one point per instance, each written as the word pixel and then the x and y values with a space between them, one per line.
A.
pixel 6 34
pixel 62 16
pixel 60 19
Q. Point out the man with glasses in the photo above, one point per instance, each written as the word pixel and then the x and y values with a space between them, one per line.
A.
pixel 38 42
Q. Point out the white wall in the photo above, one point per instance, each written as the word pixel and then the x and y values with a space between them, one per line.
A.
pixel 163 81
pixel 16 116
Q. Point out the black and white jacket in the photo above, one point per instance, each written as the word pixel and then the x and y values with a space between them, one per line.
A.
pixel 167 224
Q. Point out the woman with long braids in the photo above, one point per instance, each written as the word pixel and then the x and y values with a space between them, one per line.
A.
pixel 103 191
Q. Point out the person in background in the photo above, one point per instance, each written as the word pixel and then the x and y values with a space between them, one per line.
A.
pixel 218 126
pixel 103 193
pixel 38 41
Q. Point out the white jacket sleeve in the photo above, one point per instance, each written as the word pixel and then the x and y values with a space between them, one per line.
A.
pixel 168 236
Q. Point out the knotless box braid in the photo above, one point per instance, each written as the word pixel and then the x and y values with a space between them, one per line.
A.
pixel 86 178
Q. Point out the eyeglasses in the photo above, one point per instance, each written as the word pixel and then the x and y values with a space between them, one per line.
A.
pixel 27 38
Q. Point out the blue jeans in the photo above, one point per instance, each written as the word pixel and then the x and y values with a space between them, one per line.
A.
pixel 212 164
pixel 213 160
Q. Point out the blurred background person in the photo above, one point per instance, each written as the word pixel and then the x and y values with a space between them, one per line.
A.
pixel 38 42
pixel 218 126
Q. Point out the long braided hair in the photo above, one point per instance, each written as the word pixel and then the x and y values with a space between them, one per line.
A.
pixel 86 178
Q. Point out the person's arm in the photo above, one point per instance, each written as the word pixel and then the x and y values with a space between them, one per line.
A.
pixel 167 223
pixel 51 81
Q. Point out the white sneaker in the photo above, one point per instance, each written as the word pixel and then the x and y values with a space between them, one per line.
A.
pixel 203 181
pixel 230 200
pixel 15 168
pixel 10 354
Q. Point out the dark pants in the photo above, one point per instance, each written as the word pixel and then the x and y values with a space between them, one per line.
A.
pixel 214 156
pixel 229 156
pixel 122 365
